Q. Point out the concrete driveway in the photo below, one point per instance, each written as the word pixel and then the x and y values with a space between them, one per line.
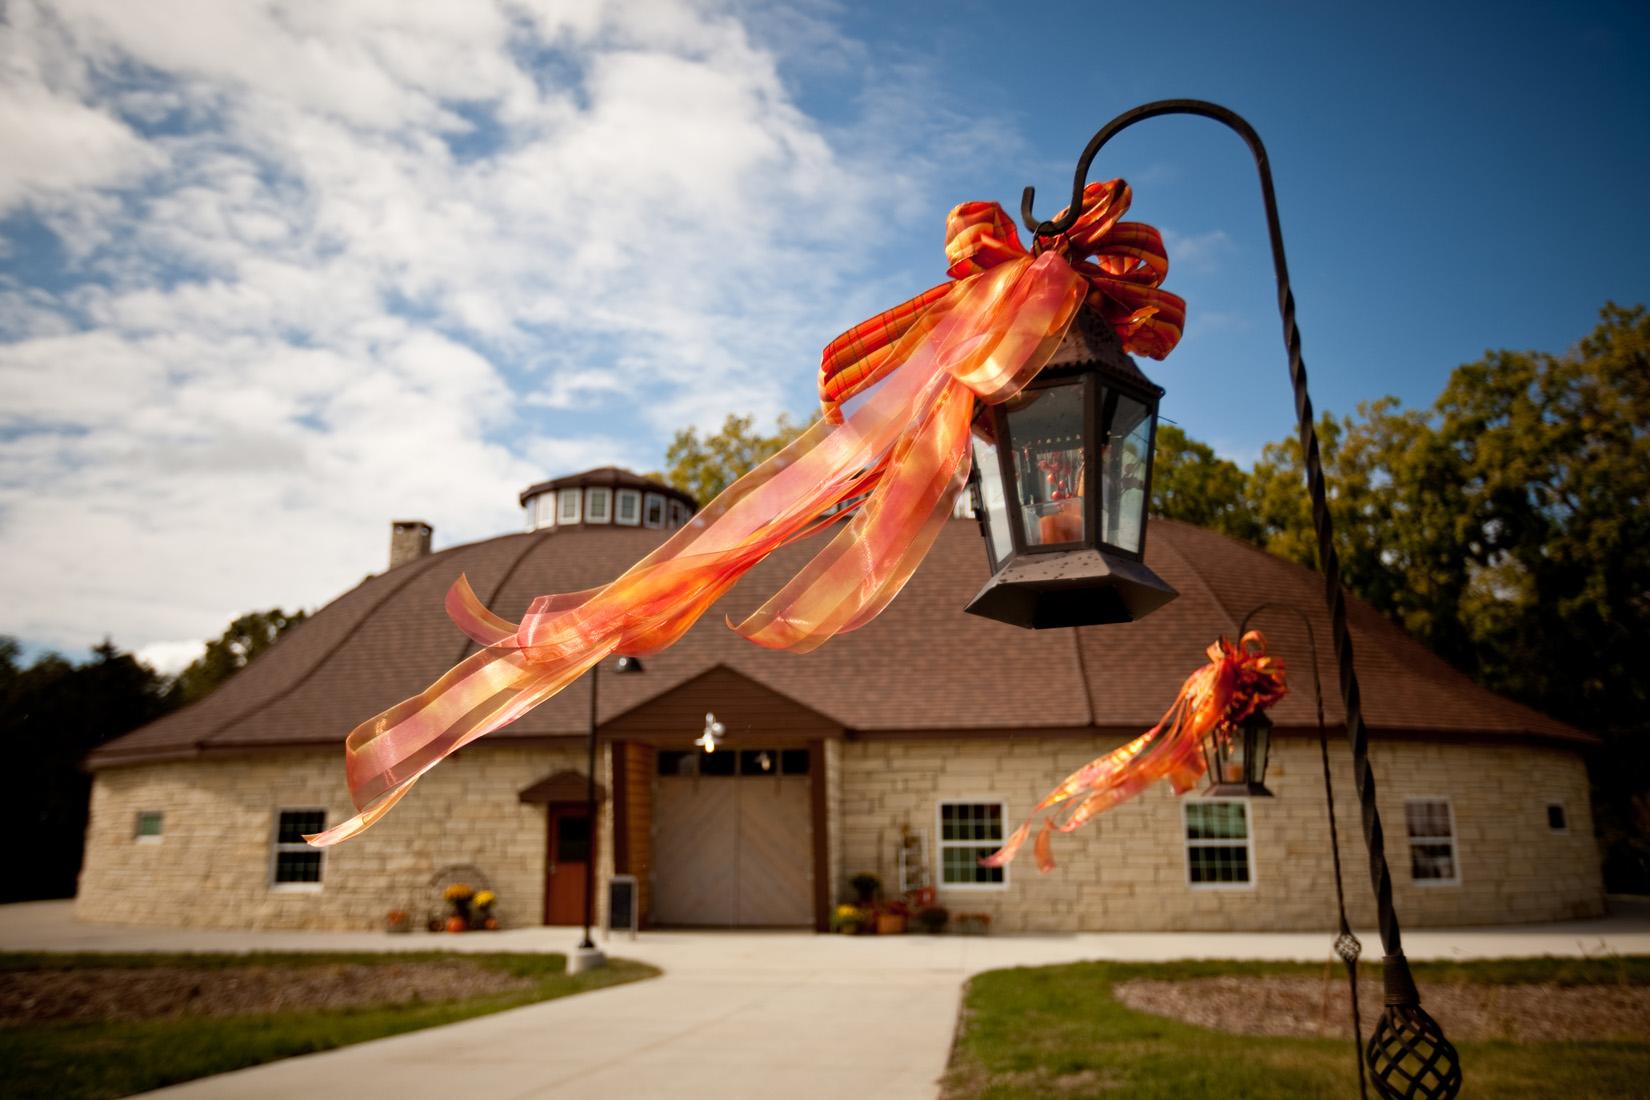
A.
pixel 780 1016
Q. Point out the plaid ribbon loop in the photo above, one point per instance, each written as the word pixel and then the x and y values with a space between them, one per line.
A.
pixel 1123 263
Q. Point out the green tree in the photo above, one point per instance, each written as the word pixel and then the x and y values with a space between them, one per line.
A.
pixel 52 713
pixel 702 466
pixel 1190 483
pixel 249 635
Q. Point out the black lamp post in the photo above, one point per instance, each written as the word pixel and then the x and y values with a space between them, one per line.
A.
pixel 590 957
pixel 1062 473
pixel 1408 1054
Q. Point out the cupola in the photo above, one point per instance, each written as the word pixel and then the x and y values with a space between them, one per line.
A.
pixel 606 496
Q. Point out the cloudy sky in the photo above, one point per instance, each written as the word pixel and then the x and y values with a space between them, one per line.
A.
pixel 275 273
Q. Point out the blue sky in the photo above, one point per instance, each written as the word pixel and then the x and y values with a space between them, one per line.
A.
pixel 274 274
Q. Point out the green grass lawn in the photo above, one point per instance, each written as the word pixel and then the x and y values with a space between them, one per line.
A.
pixel 1055 1031
pixel 88 1061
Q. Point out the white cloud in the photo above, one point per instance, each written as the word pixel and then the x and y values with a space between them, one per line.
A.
pixel 170 658
pixel 326 263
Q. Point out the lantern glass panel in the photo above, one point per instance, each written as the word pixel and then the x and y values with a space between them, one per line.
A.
pixel 1045 433
pixel 1125 464
pixel 993 502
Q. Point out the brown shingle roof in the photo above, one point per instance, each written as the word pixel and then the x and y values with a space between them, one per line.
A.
pixel 923 665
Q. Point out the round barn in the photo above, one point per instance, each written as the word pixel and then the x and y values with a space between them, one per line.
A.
pixel 907 749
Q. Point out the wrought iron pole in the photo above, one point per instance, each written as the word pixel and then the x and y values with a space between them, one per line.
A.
pixel 1347 945
pixel 1408 1054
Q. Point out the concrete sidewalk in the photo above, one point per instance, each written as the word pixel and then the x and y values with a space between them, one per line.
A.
pixel 788 1015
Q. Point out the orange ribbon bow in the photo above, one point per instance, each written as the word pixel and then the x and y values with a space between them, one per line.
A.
pixel 1237 682
pixel 896 462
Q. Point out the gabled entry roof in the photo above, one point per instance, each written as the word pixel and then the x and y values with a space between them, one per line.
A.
pixel 923 665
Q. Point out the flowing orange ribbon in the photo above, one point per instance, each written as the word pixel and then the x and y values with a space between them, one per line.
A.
pixel 896 462
pixel 1237 682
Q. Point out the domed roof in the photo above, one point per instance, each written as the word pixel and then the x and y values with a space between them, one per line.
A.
pixel 922 665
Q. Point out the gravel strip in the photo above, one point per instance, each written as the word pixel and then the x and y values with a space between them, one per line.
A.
pixel 36 996
pixel 1311 1007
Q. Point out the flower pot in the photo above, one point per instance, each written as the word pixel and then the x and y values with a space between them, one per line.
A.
pixel 890 924
pixel 457 924
pixel 490 924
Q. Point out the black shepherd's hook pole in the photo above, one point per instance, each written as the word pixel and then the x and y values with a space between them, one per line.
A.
pixel 1408 1054
pixel 1347 945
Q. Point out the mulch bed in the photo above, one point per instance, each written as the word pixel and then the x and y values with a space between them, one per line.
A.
pixel 1308 1007
pixel 38 996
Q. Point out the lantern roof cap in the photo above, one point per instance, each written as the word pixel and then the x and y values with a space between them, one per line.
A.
pixel 1090 342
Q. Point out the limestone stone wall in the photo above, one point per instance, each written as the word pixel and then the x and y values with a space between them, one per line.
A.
pixel 213 864
pixel 1127 870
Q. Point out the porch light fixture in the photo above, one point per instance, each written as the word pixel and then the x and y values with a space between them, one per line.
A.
pixel 1237 759
pixel 1062 475
pixel 1407 1055
pixel 713 734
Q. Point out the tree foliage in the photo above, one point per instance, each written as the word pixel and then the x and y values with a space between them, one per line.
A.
pixel 702 466
pixel 52 713
pixel 1508 527
pixel 245 638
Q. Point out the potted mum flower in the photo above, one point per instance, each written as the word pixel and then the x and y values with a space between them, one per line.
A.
pixel 397 920
pixel 458 896
pixel 484 902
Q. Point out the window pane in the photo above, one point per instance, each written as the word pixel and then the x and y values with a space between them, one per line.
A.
pixel 654 513
pixel 759 762
pixel 596 501
pixel 718 763
pixel 1555 817
pixel 1218 863
pixel 1429 819
pixel 148 824
pixel 961 865
pixel 1432 861
pixel 991 499
pixel 679 763
pixel 295 824
pixel 630 506
pixel 794 761
pixel 1045 428
pixel 297 866
pixel 1216 821
pixel 569 506
pixel 572 839
pixel 1123 467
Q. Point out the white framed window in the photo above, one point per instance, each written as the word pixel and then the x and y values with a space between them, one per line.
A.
pixel 629 509
pixel 544 510
pixel 678 513
pixel 598 503
pixel 968 831
pixel 294 865
pixel 1433 860
pixel 567 508
pixel 149 827
pixel 1220 851
pixel 1558 819
pixel 653 513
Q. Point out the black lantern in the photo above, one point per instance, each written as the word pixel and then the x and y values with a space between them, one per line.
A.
pixel 1062 477
pixel 1237 759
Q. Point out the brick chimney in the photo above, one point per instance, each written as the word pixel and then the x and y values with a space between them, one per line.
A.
pixel 409 541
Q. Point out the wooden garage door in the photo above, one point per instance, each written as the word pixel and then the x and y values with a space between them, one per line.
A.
pixel 733 851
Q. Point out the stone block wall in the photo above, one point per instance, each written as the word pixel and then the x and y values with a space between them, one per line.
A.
pixel 1127 870
pixel 213 864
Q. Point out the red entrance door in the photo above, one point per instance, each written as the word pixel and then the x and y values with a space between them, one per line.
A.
pixel 568 855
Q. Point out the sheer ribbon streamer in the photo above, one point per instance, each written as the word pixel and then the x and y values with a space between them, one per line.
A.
pixel 896 462
pixel 1237 682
